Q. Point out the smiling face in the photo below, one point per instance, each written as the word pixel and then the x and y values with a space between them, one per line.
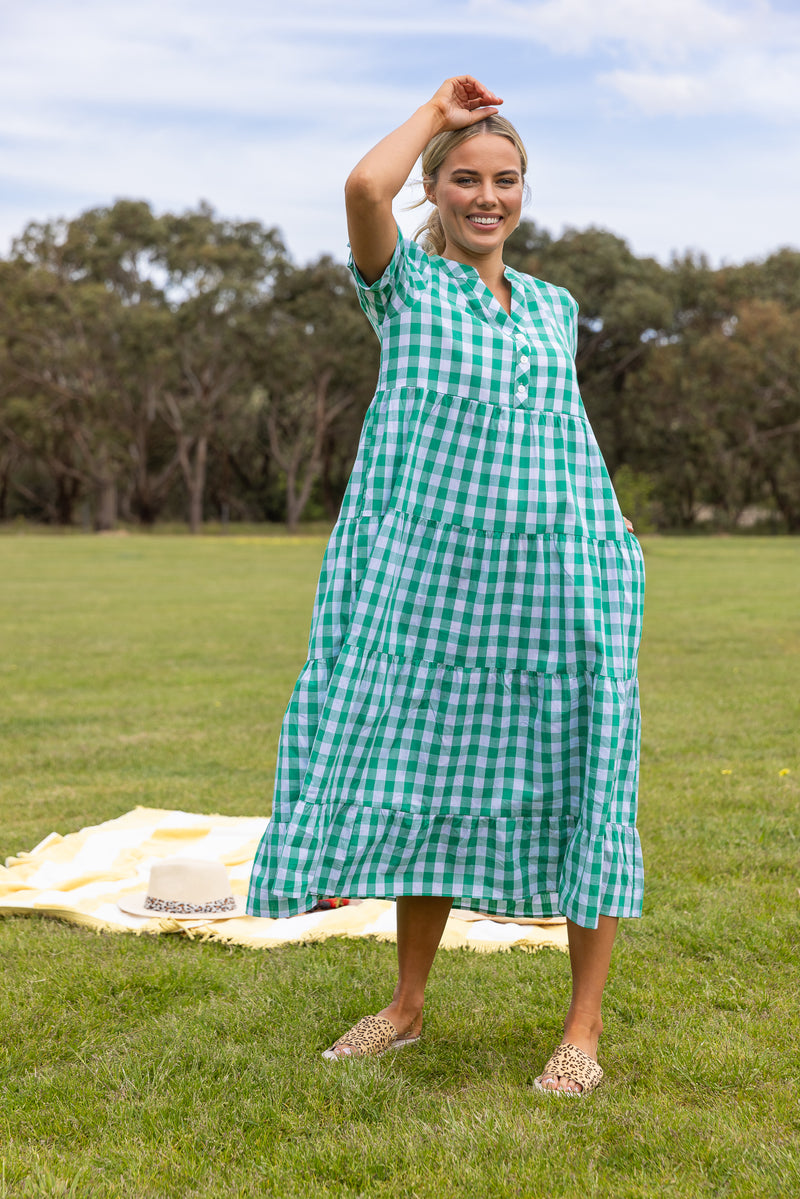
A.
pixel 478 191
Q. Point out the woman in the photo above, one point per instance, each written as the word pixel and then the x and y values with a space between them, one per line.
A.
pixel 467 723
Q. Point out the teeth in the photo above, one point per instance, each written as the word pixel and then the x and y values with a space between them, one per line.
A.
pixel 485 220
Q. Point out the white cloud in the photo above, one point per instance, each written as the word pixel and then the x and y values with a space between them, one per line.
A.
pixel 260 59
pixel 658 28
pixel 755 83
pixel 193 58
pixel 684 56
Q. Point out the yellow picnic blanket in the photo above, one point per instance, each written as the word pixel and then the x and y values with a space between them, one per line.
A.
pixel 80 877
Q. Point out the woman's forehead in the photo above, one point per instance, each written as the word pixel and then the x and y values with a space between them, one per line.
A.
pixel 488 151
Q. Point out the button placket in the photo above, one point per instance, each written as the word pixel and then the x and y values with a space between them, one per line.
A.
pixel 523 365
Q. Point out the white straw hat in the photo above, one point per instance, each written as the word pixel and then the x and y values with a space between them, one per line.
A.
pixel 185 889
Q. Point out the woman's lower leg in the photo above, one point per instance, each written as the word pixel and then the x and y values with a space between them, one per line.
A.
pixel 590 959
pixel 420 924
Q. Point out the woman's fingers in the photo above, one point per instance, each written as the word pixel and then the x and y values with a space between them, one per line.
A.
pixel 475 91
pixel 480 115
pixel 464 101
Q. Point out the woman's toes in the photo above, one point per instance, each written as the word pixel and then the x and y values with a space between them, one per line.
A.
pixel 343 1051
pixel 560 1082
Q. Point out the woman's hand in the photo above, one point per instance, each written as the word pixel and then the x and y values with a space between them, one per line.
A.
pixel 378 177
pixel 462 101
pixel 628 524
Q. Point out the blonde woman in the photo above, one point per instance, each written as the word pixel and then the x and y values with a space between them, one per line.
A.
pixel 466 726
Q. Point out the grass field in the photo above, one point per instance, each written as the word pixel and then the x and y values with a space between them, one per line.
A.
pixel 156 671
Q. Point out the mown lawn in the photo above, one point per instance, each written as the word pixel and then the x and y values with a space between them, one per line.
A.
pixel 156 671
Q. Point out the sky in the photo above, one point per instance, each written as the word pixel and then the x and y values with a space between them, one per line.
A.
pixel 673 123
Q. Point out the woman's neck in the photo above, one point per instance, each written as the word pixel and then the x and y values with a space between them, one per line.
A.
pixel 489 266
pixel 491 270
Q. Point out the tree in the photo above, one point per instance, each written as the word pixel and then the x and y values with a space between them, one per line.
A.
pixel 218 274
pixel 59 346
pixel 727 402
pixel 765 370
pixel 163 303
pixel 777 277
pixel 315 364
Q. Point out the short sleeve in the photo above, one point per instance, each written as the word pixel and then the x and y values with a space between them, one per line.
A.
pixel 573 324
pixel 397 287
pixel 566 306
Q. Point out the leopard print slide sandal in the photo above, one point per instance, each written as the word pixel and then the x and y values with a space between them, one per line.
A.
pixel 372 1036
pixel 570 1062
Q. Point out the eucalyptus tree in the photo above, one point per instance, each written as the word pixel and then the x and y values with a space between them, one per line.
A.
pixel 83 373
pixel 218 273
pixel 58 340
pixel 127 336
pixel 314 366
pixel 187 282
pixel 121 248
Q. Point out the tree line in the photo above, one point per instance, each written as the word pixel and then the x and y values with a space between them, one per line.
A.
pixel 158 367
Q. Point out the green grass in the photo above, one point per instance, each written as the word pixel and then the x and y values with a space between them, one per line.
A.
pixel 156 671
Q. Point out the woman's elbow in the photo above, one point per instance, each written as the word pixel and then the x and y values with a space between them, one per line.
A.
pixel 361 187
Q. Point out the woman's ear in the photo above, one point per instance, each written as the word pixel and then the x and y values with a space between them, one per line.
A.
pixel 430 193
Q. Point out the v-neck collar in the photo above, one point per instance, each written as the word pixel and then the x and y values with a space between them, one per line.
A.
pixel 483 298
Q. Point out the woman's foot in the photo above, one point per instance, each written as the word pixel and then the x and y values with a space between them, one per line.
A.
pixel 584 1035
pixel 406 1021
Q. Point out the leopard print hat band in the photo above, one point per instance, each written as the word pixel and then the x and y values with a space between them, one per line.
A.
pixel 174 908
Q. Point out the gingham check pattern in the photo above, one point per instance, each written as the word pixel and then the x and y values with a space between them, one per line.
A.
pixel 467 722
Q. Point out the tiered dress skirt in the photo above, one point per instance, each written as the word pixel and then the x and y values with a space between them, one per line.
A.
pixel 467 721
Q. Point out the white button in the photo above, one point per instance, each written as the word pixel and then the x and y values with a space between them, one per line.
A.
pixel 524 361
pixel 521 390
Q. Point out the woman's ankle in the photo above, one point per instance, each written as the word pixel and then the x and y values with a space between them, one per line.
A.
pixel 405 1014
pixel 583 1028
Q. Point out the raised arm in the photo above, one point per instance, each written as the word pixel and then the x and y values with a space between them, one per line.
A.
pixel 381 173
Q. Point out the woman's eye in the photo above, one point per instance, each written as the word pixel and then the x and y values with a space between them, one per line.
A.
pixel 465 180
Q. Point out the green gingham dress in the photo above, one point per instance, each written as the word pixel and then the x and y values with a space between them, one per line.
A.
pixel 467 721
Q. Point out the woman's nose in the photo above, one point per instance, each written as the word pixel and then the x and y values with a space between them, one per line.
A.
pixel 486 194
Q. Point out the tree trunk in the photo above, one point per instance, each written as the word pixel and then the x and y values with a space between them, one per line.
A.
pixel 66 496
pixel 790 511
pixel 297 498
pixel 105 479
pixel 8 460
pixel 106 512
pixel 193 471
pixel 294 508
pixel 196 483
pixel 149 492
pixel 331 502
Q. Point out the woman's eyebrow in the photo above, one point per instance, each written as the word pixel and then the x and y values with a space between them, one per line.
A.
pixel 469 171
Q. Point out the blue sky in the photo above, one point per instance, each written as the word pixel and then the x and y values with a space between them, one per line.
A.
pixel 674 123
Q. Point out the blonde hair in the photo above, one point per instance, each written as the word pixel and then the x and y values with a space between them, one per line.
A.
pixel 431 234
